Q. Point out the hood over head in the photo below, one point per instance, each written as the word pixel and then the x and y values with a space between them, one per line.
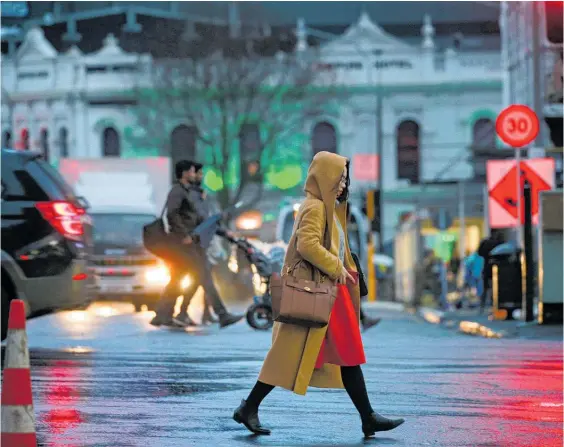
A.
pixel 324 175
pixel 323 179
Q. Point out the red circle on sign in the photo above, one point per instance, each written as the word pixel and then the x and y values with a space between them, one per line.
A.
pixel 517 125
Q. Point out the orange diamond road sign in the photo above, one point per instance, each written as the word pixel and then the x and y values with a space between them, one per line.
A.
pixel 502 177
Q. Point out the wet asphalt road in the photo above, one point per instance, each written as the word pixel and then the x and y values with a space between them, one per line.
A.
pixel 105 377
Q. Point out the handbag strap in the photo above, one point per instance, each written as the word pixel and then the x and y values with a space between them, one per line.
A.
pixel 316 272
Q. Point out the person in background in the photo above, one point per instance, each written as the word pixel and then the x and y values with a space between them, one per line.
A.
pixel 200 197
pixel 427 275
pixel 473 268
pixel 211 301
pixel 184 213
pixel 484 250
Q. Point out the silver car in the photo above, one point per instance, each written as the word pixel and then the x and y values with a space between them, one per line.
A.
pixel 123 269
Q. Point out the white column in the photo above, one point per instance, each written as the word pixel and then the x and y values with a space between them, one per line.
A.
pixel 79 143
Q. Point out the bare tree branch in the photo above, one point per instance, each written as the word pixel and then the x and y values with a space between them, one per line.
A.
pixel 222 91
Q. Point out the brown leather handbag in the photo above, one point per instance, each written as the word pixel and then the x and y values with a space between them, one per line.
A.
pixel 302 302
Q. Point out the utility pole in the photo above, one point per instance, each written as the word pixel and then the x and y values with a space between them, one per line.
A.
pixel 537 83
pixel 234 20
pixel 379 180
pixel 462 223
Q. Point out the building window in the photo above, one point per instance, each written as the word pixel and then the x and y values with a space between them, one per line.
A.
pixel 44 143
pixel 483 134
pixel 183 143
pixel 324 138
pixel 110 143
pixel 7 139
pixel 408 151
pixel 63 142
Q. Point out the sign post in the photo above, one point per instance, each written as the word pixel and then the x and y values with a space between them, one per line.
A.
pixel 529 295
pixel 518 126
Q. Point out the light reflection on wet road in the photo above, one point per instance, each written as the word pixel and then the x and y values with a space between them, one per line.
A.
pixel 104 377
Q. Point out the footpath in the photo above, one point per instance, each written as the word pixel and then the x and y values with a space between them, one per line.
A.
pixel 470 322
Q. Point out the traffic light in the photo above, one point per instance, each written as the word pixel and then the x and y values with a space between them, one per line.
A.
pixel 253 174
pixel 371 208
pixel 555 127
pixel 553 21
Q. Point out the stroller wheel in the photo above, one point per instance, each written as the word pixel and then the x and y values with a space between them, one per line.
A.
pixel 259 316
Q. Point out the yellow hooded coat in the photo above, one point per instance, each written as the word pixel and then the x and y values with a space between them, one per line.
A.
pixel 291 360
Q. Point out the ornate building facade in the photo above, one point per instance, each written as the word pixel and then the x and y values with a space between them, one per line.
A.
pixel 417 112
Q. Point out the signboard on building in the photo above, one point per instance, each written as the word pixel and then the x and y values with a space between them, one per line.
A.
pixel 504 195
pixel 365 167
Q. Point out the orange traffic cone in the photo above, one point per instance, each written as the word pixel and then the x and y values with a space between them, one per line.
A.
pixel 18 420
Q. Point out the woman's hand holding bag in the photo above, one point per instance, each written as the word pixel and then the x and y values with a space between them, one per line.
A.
pixel 345 276
pixel 303 302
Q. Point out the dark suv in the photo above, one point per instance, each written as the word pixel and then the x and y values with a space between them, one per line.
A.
pixel 46 238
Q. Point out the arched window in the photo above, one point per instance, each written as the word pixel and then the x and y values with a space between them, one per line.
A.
pixel 44 143
pixel 408 151
pixel 483 134
pixel 7 139
pixel 111 146
pixel 183 143
pixel 324 138
pixel 63 142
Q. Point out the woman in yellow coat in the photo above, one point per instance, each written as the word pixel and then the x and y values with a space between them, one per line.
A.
pixel 329 357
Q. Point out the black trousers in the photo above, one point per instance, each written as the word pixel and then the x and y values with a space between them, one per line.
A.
pixel 188 260
pixel 189 296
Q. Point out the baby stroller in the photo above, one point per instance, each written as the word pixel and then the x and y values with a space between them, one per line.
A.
pixel 259 314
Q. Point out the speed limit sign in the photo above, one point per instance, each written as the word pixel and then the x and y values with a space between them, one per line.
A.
pixel 517 125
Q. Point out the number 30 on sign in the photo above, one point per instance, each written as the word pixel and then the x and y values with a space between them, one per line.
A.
pixel 517 125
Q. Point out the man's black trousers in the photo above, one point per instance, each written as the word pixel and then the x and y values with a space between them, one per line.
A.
pixel 188 260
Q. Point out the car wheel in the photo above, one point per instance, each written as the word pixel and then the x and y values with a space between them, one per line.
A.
pixel 5 313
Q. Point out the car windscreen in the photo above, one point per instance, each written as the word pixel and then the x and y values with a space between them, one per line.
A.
pixel 120 229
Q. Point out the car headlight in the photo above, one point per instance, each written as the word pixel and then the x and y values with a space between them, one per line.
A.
pixel 250 220
pixel 186 282
pixel 161 276
pixel 157 275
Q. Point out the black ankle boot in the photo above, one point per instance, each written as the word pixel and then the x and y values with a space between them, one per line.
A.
pixel 379 423
pixel 249 418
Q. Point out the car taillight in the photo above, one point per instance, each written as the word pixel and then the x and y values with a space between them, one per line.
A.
pixel 63 217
